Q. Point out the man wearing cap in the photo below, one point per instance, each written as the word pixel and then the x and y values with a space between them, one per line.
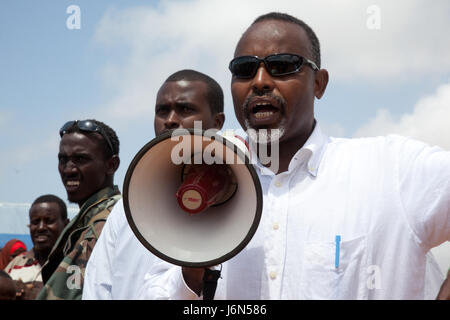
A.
pixel 12 249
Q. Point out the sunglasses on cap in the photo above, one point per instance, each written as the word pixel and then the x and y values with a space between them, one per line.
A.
pixel 277 65
pixel 87 126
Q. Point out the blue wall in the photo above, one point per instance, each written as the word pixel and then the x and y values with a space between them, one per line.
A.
pixel 25 238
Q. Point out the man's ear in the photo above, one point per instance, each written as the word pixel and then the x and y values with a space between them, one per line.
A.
pixel 112 165
pixel 320 83
pixel 219 119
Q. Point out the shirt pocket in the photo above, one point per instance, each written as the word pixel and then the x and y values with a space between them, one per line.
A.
pixel 320 279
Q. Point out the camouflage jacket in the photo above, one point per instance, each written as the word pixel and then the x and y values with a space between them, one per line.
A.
pixel 63 273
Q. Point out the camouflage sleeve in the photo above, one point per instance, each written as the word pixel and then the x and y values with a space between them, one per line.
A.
pixel 67 281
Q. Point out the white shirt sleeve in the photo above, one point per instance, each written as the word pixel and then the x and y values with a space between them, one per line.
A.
pixel 165 281
pixel 98 274
pixel 424 182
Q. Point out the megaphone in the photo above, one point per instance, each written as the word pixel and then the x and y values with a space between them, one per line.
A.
pixel 192 197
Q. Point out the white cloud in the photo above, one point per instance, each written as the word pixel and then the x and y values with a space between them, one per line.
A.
pixel 408 44
pixel 33 150
pixel 332 129
pixel 202 34
pixel 429 121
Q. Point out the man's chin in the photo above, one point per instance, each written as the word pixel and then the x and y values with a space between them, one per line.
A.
pixel 43 247
pixel 74 198
pixel 265 136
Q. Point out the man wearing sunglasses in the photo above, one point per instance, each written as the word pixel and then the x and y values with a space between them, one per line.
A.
pixel 119 261
pixel 342 218
pixel 87 160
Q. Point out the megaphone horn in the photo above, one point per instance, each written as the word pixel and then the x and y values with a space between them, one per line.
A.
pixel 195 212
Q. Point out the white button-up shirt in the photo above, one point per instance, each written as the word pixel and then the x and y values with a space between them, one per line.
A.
pixel 118 262
pixel 387 198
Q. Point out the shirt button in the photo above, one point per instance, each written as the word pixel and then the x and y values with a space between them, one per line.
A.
pixel 275 226
pixel 278 184
pixel 272 275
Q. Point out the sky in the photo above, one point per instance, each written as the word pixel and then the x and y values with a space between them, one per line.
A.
pixel 388 61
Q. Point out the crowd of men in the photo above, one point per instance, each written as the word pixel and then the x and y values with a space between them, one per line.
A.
pixel 387 197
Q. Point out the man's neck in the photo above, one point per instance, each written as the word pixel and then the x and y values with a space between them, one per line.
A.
pixel 108 185
pixel 287 149
pixel 41 256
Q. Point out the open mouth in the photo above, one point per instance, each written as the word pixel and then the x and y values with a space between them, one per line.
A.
pixel 40 238
pixel 264 112
pixel 72 185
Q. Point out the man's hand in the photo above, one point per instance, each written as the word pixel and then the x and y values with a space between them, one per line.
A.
pixel 28 290
pixel 444 293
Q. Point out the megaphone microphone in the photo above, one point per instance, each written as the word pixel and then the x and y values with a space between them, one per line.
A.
pixel 193 213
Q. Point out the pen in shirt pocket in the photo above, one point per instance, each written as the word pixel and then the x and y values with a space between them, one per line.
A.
pixel 336 257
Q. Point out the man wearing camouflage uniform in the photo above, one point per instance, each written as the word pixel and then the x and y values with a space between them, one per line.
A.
pixel 88 158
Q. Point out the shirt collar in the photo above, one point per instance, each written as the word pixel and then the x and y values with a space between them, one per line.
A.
pixel 316 144
pixel 313 150
pixel 100 195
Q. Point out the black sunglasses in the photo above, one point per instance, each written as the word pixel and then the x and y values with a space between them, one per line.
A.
pixel 88 126
pixel 281 64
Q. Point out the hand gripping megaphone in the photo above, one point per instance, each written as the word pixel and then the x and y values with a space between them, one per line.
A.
pixel 192 197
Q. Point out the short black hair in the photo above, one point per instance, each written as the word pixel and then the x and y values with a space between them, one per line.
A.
pixel 315 44
pixel 50 198
pixel 214 94
pixel 108 131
